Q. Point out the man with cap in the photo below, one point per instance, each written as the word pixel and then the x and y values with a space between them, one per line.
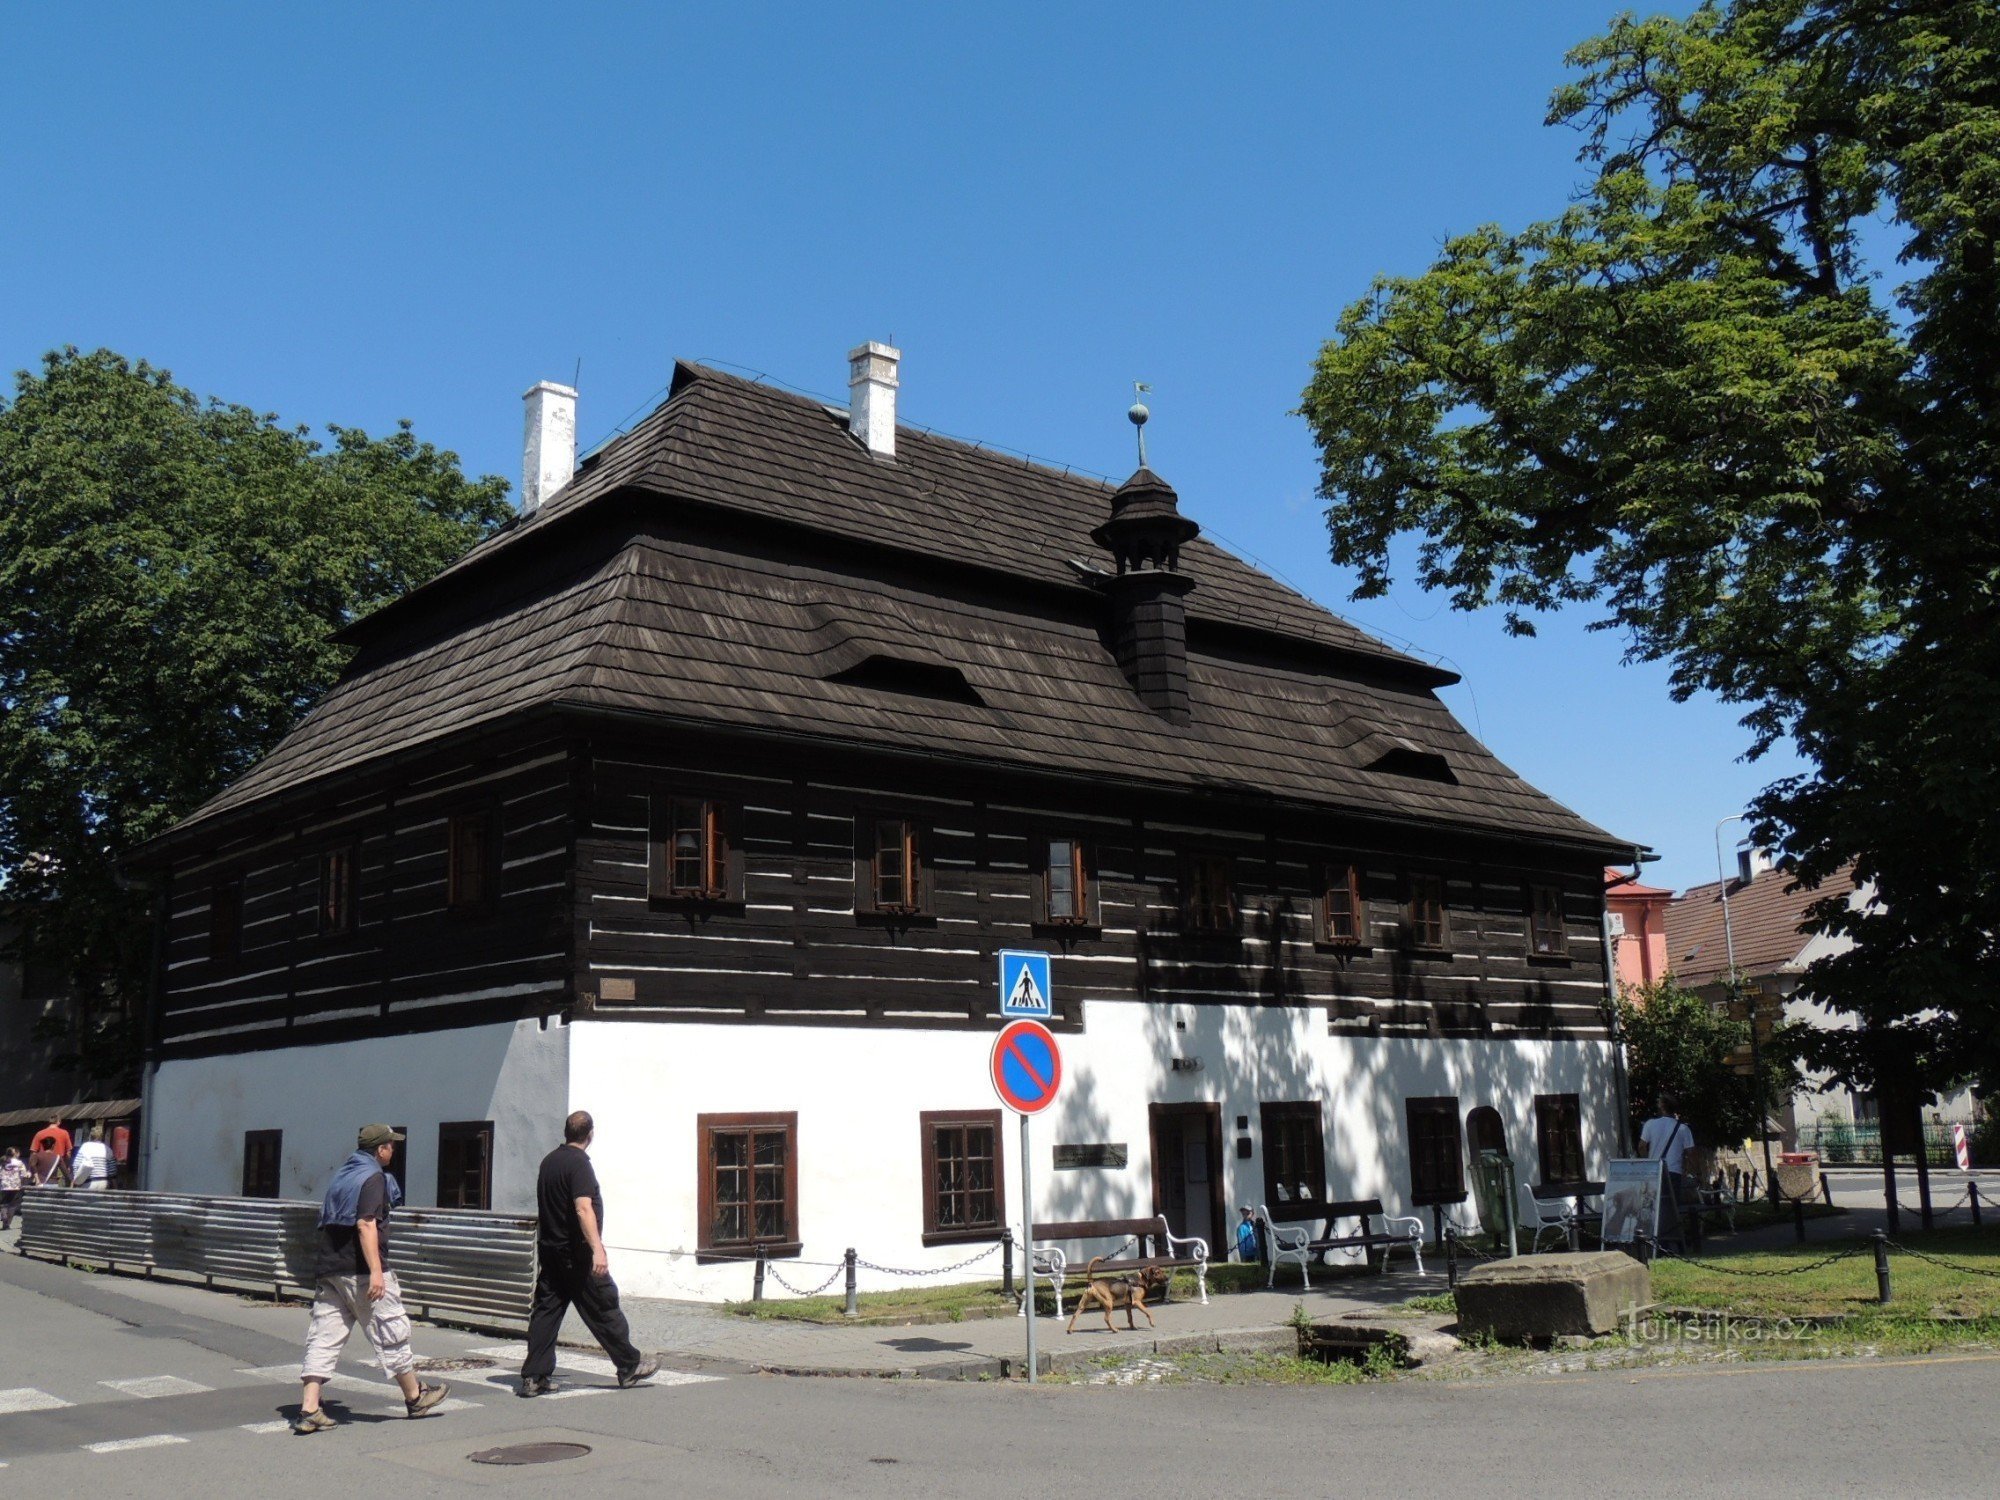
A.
pixel 354 1282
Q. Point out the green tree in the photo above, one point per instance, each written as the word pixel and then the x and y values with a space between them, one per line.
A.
pixel 1694 398
pixel 171 573
pixel 1676 1042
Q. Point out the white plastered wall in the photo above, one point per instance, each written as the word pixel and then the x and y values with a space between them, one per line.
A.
pixel 514 1074
pixel 858 1094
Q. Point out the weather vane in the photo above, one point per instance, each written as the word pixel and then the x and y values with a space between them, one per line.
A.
pixel 1138 415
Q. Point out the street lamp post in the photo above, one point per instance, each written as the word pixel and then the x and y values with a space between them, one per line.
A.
pixel 1735 984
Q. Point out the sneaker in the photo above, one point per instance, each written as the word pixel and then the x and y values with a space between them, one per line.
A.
pixel 646 1369
pixel 536 1385
pixel 427 1396
pixel 309 1422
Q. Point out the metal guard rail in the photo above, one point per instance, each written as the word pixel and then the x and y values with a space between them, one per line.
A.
pixel 454 1264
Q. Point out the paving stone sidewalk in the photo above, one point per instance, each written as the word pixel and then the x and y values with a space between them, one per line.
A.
pixel 996 1347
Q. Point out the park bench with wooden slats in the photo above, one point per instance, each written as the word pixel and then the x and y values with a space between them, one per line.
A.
pixel 1158 1248
pixel 1282 1241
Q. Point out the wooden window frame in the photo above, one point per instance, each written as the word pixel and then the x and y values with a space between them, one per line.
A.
pixel 709 1249
pixel 1443 1108
pixel 1429 920
pixel 340 877
pixel 1559 1115
pixel 225 921
pixel 919 894
pixel 720 855
pixel 936 1233
pixel 1275 1119
pixel 1201 914
pixel 1548 933
pixel 1341 880
pixel 263 1150
pixel 483 901
pixel 1089 913
pixel 457 1133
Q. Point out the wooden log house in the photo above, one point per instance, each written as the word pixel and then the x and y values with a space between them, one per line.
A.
pixel 704 794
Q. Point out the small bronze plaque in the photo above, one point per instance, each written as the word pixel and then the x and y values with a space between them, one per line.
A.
pixel 1096 1154
pixel 617 989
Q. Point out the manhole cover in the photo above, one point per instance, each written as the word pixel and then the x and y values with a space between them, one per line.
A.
pixel 530 1453
pixel 466 1362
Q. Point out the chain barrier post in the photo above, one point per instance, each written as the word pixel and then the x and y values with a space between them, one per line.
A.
pixel 1451 1258
pixel 853 1292
pixel 1972 1197
pixel 757 1281
pixel 1007 1260
pixel 1826 1190
pixel 1882 1267
pixel 1799 1219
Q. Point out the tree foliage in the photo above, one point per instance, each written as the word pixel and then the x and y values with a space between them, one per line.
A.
pixel 1743 392
pixel 171 573
pixel 1677 1042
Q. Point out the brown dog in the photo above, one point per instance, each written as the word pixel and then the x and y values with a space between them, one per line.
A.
pixel 1109 1292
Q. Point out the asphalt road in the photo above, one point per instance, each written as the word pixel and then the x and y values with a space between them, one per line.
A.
pixel 168 1391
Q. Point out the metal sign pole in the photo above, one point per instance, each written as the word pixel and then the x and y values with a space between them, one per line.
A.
pixel 1028 1243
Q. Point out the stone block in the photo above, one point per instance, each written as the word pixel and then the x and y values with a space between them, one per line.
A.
pixel 1544 1296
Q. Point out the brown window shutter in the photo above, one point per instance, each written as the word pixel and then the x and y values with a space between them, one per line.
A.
pixel 1093 907
pixel 1038 879
pixel 924 881
pixel 659 845
pixel 864 864
pixel 729 855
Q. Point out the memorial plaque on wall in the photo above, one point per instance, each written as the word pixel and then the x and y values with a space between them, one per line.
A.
pixel 1099 1154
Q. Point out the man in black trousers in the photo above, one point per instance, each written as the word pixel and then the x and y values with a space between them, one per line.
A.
pixel 575 1269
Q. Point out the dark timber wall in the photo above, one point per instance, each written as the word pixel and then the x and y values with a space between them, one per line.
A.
pixel 409 964
pixel 794 950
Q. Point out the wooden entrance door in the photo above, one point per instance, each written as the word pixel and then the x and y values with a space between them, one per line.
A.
pixel 1187 1171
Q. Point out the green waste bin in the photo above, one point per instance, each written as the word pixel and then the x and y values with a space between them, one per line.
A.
pixel 1493 1191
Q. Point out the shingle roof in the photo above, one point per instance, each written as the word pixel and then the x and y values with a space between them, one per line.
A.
pixel 1764 922
pixel 734 443
pixel 679 627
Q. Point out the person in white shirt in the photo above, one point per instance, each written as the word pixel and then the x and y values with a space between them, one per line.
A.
pixel 93 1166
pixel 1666 1136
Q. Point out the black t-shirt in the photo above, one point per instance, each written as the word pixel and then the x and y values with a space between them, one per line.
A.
pixel 566 1176
pixel 340 1244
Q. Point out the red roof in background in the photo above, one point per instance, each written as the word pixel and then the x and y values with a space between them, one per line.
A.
pixel 1617 884
pixel 1764 916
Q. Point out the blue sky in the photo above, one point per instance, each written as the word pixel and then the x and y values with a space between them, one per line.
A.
pixel 376 212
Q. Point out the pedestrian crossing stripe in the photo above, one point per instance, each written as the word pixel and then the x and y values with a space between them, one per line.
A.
pixel 151 1387
pixel 126 1445
pixel 27 1398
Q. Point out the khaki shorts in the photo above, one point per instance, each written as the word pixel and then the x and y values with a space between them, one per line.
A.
pixel 342 1301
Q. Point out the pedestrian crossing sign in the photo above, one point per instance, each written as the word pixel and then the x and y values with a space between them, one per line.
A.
pixel 1024 984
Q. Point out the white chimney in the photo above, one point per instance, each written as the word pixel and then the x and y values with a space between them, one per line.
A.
pixel 871 407
pixel 548 455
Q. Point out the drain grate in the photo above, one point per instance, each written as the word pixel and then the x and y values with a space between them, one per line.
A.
pixel 530 1453
pixel 464 1362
